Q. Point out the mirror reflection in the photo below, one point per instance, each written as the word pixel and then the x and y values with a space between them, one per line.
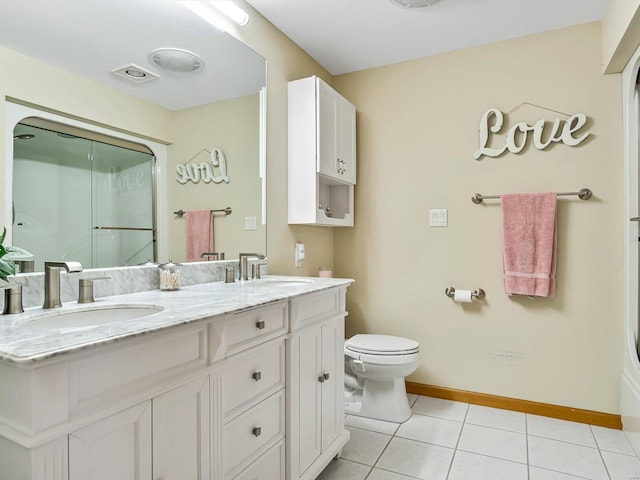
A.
pixel 95 201
pixel 198 119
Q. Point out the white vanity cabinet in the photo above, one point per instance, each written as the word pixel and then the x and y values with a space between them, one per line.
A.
pixel 251 394
pixel 322 154
pixel 315 369
pixel 165 438
pixel 118 446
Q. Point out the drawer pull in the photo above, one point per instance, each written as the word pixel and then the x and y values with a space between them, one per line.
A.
pixel 321 379
pixel 260 325
pixel 326 376
pixel 257 431
pixel 257 376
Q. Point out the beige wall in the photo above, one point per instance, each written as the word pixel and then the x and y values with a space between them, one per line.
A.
pixel 233 127
pixel 285 62
pixel 620 34
pixel 417 129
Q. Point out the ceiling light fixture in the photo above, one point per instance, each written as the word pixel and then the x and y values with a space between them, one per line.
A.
pixel 414 3
pixel 218 12
pixel 176 60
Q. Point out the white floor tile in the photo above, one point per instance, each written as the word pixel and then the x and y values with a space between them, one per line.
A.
pixel 496 418
pixel 634 440
pixel 536 473
pixel 344 470
pixel 364 446
pixel 412 397
pixel 566 458
pixel 377 474
pixel 380 426
pixel 468 466
pixel 494 443
pixel 622 467
pixel 431 430
pixel 416 459
pixel 562 430
pixel 438 407
pixel 612 440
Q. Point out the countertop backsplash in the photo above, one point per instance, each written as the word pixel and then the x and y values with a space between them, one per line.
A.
pixel 121 280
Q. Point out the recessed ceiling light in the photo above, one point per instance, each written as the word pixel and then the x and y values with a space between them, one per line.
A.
pixel 414 3
pixel 176 60
pixel 134 73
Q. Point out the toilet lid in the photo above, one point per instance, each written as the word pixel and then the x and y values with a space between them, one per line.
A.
pixel 381 344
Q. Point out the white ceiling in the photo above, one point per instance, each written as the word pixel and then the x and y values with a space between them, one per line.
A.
pixel 92 37
pixel 351 35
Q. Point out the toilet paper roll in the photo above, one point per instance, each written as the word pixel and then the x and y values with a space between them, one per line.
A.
pixel 462 296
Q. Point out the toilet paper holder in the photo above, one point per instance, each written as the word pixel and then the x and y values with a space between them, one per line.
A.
pixel 477 293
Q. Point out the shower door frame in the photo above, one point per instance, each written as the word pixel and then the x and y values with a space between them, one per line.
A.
pixel 630 381
pixel 15 113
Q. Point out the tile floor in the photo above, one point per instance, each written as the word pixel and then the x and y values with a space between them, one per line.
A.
pixel 446 440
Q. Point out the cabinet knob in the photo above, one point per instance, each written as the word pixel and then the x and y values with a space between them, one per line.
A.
pixel 257 376
pixel 326 376
pixel 257 431
pixel 321 379
pixel 260 325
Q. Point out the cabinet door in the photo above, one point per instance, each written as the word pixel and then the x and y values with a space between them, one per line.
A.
pixel 332 387
pixel 310 368
pixel 347 141
pixel 117 447
pixel 327 122
pixel 181 433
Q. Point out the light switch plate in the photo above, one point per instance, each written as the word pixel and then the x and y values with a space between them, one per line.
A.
pixel 438 217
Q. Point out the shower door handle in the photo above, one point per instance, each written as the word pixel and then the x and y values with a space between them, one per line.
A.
pixel 634 219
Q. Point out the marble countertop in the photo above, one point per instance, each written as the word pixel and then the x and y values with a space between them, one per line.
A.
pixel 24 343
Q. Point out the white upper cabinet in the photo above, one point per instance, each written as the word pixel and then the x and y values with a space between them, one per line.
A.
pixel 336 123
pixel 322 154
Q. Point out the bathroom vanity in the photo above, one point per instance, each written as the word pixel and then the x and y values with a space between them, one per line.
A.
pixel 214 381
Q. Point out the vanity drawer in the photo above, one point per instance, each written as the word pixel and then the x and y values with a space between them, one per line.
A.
pixel 252 374
pixel 313 307
pixel 249 435
pixel 248 329
pixel 269 466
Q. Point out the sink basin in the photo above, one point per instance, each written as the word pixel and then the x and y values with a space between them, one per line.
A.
pixel 90 317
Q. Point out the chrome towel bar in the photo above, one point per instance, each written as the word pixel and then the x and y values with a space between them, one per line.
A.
pixel 227 211
pixel 583 194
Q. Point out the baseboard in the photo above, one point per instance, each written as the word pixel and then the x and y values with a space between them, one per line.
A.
pixel 608 420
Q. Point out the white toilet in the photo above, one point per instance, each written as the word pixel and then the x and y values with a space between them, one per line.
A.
pixel 375 368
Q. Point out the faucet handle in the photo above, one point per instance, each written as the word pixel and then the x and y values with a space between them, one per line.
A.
pixel 12 299
pixel 85 289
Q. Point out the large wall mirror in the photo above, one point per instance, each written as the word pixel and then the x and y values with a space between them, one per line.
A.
pixel 79 189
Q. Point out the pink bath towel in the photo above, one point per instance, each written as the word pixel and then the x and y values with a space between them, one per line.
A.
pixel 529 243
pixel 199 234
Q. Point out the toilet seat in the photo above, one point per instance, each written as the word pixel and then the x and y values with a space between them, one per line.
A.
pixel 370 344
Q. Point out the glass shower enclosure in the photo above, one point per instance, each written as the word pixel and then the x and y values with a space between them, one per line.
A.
pixel 84 199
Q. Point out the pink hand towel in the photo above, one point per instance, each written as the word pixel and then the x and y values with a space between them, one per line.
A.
pixel 529 243
pixel 199 225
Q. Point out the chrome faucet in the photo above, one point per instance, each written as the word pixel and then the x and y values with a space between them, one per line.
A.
pixel 52 281
pixel 244 269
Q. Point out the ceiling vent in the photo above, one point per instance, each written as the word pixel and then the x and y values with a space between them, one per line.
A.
pixel 134 73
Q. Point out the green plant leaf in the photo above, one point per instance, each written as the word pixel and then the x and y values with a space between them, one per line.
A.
pixel 7 267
